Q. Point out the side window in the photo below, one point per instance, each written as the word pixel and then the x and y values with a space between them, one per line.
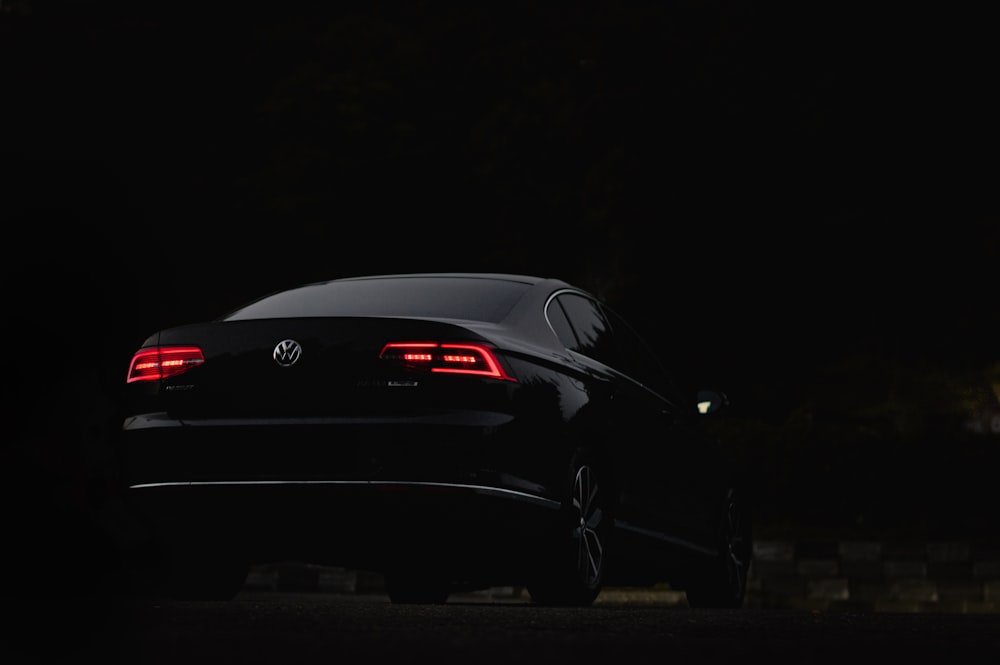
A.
pixel 560 324
pixel 636 357
pixel 593 335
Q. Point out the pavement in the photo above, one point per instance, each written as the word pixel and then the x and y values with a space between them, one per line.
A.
pixel 836 575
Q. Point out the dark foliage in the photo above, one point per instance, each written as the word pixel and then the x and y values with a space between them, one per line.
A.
pixel 819 174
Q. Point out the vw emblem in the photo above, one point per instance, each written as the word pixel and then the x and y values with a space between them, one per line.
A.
pixel 287 353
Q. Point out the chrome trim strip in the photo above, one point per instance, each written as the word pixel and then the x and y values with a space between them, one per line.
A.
pixel 679 542
pixel 463 418
pixel 478 489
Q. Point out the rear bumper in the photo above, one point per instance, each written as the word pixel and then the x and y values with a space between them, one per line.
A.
pixel 453 487
pixel 453 447
pixel 479 529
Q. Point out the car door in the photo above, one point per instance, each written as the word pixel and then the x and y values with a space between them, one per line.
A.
pixel 681 466
pixel 663 467
pixel 635 413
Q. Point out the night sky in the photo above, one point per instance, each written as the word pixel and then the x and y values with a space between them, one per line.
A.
pixel 796 203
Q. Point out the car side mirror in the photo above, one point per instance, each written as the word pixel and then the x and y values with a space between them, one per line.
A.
pixel 711 401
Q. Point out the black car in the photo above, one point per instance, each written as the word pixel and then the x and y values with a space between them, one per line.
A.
pixel 451 431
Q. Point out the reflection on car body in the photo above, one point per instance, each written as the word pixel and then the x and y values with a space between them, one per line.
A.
pixel 452 431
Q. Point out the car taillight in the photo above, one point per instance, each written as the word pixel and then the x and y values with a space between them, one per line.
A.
pixel 446 358
pixel 162 361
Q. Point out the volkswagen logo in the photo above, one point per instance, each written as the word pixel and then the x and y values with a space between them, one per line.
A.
pixel 287 352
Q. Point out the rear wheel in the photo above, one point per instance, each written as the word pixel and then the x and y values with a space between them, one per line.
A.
pixel 415 586
pixel 723 583
pixel 187 571
pixel 207 581
pixel 574 564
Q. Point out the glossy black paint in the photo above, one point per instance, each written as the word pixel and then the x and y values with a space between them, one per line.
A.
pixel 441 481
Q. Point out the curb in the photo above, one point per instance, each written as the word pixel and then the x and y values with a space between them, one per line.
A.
pixel 308 578
pixel 868 575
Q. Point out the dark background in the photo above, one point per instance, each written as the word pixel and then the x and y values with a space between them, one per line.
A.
pixel 795 203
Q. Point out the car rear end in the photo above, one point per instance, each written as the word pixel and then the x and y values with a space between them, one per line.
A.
pixel 331 437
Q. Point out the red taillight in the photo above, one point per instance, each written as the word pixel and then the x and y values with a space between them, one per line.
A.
pixel 162 361
pixel 446 358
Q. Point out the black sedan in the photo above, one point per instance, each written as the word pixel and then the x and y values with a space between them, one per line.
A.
pixel 450 431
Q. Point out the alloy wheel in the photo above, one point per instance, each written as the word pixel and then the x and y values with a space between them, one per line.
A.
pixel 736 543
pixel 588 514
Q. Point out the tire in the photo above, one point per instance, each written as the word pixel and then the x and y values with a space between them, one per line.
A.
pixel 415 587
pixel 574 562
pixel 187 572
pixel 205 579
pixel 723 583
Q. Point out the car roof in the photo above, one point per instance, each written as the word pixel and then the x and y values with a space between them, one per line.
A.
pixel 528 279
pixel 532 295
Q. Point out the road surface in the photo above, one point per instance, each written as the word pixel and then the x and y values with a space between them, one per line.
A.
pixel 307 628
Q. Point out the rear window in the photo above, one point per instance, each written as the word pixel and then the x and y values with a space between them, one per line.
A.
pixel 473 299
